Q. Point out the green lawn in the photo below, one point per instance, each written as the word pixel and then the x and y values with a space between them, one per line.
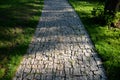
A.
pixel 18 20
pixel 106 40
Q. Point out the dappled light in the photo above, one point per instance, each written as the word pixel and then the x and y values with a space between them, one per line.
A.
pixel 61 48
pixel 18 20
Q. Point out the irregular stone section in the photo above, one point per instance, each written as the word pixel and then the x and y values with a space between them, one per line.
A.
pixel 61 48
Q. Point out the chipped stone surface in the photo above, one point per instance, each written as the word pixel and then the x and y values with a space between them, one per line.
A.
pixel 61 49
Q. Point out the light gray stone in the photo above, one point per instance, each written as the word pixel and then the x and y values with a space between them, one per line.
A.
pixel 61 49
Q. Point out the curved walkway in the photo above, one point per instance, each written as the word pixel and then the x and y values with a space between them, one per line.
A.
pixel 61 48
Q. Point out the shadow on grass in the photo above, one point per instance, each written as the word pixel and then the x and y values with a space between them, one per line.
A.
pixel 19 13
pixel 10 58
pixel 18 20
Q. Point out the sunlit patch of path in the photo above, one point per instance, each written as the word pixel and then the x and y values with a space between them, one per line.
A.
pixel 61 48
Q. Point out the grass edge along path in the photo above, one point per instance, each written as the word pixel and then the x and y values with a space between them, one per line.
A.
pixel 106 41
pixel 18 21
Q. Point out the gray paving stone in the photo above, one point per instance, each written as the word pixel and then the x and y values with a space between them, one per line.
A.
pixel 61 48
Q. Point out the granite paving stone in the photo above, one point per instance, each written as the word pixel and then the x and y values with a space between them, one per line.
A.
pixel 61 48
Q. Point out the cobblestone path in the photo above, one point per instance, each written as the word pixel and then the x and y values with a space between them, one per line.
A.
pixel 61 49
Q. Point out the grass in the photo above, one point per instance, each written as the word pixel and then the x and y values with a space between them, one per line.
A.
pixel 18 20
pixel 106 40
